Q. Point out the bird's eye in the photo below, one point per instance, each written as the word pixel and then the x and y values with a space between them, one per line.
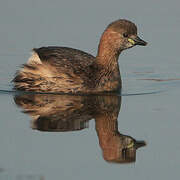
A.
pixel 125 35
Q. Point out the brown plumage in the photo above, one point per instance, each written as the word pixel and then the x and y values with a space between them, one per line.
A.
pixel 67 70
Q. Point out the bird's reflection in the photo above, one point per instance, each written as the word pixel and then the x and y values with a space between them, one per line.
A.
pixel 69 113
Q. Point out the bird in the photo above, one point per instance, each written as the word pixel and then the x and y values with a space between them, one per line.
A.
pixel 54 69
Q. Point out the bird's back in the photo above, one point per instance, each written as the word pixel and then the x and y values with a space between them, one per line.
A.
pixel 55 69
pixel 59 55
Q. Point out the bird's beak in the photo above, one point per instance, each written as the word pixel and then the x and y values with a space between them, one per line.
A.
pixel 139 144
pixel 137 41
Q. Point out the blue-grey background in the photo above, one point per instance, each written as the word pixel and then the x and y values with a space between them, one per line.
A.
pixel 155 118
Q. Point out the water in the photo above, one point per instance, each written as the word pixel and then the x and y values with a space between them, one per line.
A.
pixel 58 136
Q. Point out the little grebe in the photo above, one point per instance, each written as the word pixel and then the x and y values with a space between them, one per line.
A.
pixel 67 70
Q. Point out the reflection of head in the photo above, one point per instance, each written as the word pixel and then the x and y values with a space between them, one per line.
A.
pixel 115 147
pixel 69 113
pixel 121 149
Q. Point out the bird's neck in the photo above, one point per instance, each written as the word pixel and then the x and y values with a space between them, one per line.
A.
pixel 107 55
pixel 107 59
